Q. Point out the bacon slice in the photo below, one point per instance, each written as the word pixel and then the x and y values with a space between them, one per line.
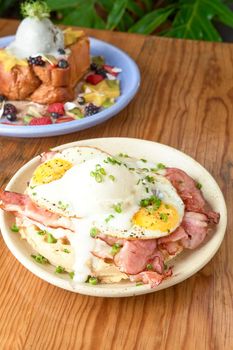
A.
pixel 196 227
pixel 190 194
pixel 190 234
pixel 134 250
pixel 111 240
pixel 22 204
pixel 150 277
pixel 134 255
pixel 102 250
pixel 47 156
pixel 175 236
pixel 172 242
pixel 157 262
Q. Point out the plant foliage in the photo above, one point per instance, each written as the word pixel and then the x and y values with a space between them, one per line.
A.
pixel 190 19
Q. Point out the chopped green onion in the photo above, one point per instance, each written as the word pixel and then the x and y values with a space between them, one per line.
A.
pixel 143 160
pixel 150 179
pixel 161 166
pixel 14 228
pixel 157 204
pixel 40 259
pixel 198 185
pixel 123 155
pixel 94 232
pixel 144 202
pixel 42 232
pixel 110 217
pixel 62 205
pixel 99 173
pixel 115 248
pixel 102 171
pixel 71 274
pixel 60 269
pixel 112 161
pixel 149 267
pixel 139 284
pixel 111 177
pixel 117 208
pixel 50 238
pixel 66 251
pixel 163 217
pixel 98 178
pixel 92 280
pixel 153 200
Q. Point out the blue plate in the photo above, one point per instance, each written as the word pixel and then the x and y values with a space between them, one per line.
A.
pixel 129 80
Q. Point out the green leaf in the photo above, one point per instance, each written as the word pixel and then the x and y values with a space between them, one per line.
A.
pixel 151 21
pixel 210 33
pixel 63 4
pixel 84 16
pixel 135 8
pixel 116 14
pixel 148 4
pixel 106 4
pixel 194 20
pixel 223 13
pixel 126 22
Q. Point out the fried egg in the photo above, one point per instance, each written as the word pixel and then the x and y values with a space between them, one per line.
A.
pixel 118 196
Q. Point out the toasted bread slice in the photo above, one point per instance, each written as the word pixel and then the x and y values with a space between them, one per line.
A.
pixel 46 84
pixel 18 83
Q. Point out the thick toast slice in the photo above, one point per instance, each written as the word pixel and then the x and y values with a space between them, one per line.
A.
pixel 47 84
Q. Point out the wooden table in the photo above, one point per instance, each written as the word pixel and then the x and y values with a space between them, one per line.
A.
pixel 186 101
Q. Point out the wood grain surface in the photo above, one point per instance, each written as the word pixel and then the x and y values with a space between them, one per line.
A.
pixel 186 101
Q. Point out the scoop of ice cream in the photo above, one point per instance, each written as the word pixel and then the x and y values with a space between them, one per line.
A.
pixel 36 36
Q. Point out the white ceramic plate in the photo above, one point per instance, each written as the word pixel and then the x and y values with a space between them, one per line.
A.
pixel 186 264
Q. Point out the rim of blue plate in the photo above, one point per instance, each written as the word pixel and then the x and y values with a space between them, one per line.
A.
pixel 65 128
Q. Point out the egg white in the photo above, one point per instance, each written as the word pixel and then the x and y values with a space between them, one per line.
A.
pixel 78 195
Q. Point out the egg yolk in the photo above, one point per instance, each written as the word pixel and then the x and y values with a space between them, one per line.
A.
pixel 51 170
pixel 163 219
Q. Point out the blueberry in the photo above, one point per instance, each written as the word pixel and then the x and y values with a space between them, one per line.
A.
pixel 91 109
pixel 93 66
pixel 63 64
pixel 101 71
pixel 55 115
pixel 37 61
pixel 81 100
pixel 61 51
pixel 9 109
pixel 11 117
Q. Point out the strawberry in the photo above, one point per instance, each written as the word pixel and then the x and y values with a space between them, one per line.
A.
pixel 41 121
pixel 56 108
pixel 94 79
pixel 109 69
pixel 64 120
